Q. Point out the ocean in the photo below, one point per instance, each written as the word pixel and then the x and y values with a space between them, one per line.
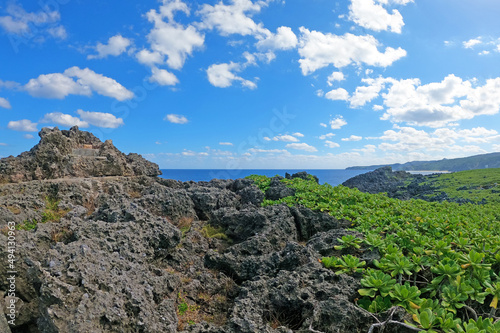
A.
pixel 332 177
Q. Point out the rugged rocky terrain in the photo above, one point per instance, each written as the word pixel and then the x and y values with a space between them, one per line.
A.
pixel 119 250
pixel 73 153
pixel 400 185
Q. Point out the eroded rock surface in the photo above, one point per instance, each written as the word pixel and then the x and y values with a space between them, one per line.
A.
pixel 72 153
pixel 145 254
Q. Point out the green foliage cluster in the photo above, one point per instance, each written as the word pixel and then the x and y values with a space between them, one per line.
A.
pixel 262 182
pixel 213 232
pixel 474 185
pixel 27 225
pixel 440 261
pixel 51 213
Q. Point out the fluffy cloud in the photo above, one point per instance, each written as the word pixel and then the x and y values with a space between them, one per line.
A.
pixel 268 151
pixel 116 46
pixel 163 77
pixel 176 119
pixel 284 39
pixel 331 144
pixel 409 139
pixel 19 22
pixel 353 138
pixel 335 76
pixel 298 134
pixel 60 85
pixel 4 103
pixel 23 125
pixel 326 136
pixel 222 75
pixel 62 119
pixel 435 104
pixel 100 119
pixel 286 138
pixel 233 19
pixel 149 58
pixel 319 50
pixel 339 94
pixel 301 146
pixel 374 16
pixel 472 42
pixel 169 38
pixel 337 123
pixel 364 94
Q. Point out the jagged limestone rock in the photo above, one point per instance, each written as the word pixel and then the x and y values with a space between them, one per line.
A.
pixel 73 153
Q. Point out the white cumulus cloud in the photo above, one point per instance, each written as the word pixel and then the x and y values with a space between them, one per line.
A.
pixel 339 94
pixel 100 119
pixel 176 119
pixel 372 15
pixel 62 119
pixel 301 146
pixel 283 39
pixel 318 50
pixel 337 123
pixel 331 144
pixel 169 38
pixel 286 138
pixel 469 44
pixel 335 76
pixel 4 103
pixel 20 22
pixel 353 138
pixel 223 75
pixel 234 18
pixel 116 46
pixel 23 125
pixel 163 77
pixel 60 85
pixel 149 58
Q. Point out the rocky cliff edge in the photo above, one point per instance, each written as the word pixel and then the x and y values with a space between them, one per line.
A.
pixel 72 154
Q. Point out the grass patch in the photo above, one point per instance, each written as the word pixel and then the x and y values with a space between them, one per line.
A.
pixel 27 225
pixel 474 185
pixel 14 210
pixel 187 314
pixel 52 212
pixel 209 231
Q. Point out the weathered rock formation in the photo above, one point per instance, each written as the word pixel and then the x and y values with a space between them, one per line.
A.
pixel 400 185
pixel 145 254
pixel 73 153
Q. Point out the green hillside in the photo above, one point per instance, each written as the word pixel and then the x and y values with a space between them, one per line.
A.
pixel 475 185
pixel 483 161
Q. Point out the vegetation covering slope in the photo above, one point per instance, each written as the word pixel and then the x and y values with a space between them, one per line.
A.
pixel 482 161
pixel 439 261
pixel 474 185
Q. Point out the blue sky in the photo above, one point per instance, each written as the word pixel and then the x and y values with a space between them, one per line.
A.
pixel 255 84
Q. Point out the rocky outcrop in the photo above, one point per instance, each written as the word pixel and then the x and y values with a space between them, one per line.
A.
pixel 136 253
pixel 145 254
pixel 397 184
pixel 70 154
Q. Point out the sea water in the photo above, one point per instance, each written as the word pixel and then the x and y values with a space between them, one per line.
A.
pixel 333 176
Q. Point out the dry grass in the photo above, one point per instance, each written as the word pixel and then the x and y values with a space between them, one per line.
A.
pixel 90 205
pixel 14 210
pixel 187 312
pixel 62 235
pixel 184 224
pixel 134 194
